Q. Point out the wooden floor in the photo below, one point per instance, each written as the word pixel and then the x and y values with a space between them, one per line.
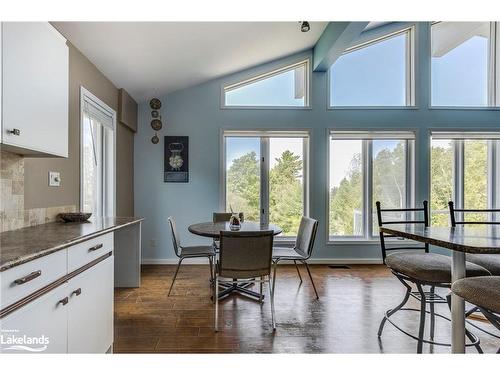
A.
pixel 344 320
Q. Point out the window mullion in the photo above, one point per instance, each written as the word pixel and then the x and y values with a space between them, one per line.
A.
pixel 264 180
pixel 458 175
pixel 368 187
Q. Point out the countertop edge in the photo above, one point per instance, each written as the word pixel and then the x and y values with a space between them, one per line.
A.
pixel 64 245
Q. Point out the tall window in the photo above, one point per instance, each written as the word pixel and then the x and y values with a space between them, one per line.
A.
pixel 284 87
pixel 97 192
pixel 464 169
pixel 376 73
pixel 465 67
pixel 366 167
pixel 265 177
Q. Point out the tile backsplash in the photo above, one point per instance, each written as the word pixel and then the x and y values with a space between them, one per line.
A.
pixel 12 213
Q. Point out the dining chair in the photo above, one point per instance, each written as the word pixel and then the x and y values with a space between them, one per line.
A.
pixel 220 217
pixel 302 250
pixel 483 292
pixel 459 216
pixel 244 257
pixel 184 252
pixel 414 264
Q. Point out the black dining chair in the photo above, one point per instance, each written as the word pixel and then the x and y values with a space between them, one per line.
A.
pixel 244 257
pixel 459 216
pixel 184 252
pixel 414 264
pixel 483 292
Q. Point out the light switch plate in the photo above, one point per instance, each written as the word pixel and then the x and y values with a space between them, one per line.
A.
pixel 54 179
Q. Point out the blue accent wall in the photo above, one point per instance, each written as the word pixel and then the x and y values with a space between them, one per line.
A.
pixel 196 112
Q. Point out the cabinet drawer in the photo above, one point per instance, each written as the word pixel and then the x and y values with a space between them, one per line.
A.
pixel 18 282
pixel 85 252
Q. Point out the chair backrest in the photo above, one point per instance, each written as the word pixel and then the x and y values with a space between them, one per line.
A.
pixel 218 217
pixel 457 215
pixel 408 216
pixel 306 235
pixel 175 236
pixel 244 255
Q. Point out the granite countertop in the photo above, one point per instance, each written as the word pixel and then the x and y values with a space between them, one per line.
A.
pixel 25 244
pixel 484 239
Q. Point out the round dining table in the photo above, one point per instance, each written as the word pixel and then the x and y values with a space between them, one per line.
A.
pixel 212 230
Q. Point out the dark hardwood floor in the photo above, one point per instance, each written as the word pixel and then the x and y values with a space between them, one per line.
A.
pixel 344 320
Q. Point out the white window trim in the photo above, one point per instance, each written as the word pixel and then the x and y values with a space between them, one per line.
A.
pixel 410 71
pixel 109 196
pixel 265 134
pixel 493 73
pixel 493 149
pixel 410 136
pixel 284 68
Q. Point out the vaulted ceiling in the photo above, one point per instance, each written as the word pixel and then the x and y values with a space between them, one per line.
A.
pixel 156 58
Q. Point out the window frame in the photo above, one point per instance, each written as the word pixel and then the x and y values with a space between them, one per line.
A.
pixel 493 88
pixel 264 135
pixel 107 190
pixel 367 168
pixel 493 159
pixel 410 32
pixel 267 74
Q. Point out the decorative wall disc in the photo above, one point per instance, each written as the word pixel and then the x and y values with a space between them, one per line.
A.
pixel 156 124
pixel 155 114
pixel 155 139
pixel 155 103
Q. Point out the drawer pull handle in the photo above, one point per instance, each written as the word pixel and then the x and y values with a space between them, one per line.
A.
pixel 14 132
pixel 25 279
pixel 96 247
pixel 63 301
pixel 77 291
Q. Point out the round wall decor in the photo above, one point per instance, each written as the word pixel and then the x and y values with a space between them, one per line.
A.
pixel 155 103
pixel 156 124
pixel 155 114
pixel 155 139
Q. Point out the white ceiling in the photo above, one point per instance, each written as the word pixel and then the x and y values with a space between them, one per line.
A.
pixel 156 58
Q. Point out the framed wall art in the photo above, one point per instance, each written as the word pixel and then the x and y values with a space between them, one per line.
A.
pixel 176 159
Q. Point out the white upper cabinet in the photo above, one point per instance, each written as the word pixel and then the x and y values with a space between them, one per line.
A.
pixel 35 66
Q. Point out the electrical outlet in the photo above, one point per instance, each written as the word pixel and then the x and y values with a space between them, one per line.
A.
pixel 54 179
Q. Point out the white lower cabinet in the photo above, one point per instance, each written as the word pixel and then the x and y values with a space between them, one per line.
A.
pixel 38 327
pixel 90 309
pixel 75 317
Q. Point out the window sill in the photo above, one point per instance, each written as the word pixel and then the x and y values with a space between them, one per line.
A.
pixel 265 107
pixel 405 107
pixel 464 108
pixel 358 241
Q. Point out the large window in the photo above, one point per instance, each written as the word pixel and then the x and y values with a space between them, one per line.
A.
pixel 464 65
pixel 284 87
pixel 376 73
pixel 97 191
pixel 464 169
pixel 265 177
pixel 367 167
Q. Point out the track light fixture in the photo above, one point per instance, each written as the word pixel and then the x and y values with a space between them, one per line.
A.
pixel 304 26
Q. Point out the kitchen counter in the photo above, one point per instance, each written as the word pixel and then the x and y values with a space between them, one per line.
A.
pixel 23 245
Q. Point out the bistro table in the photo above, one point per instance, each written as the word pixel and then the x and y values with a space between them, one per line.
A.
pixel 461 240
pixel 212 230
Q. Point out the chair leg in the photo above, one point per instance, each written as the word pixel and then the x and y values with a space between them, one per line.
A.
pixel 216 304
pixel 260 297
pixel 394 310
pixel 271 292
pixel 210 260
pixel 433 316
pixel 275 265
pixel 421 329
pixel 175 275
pixel 467 332
pixel 310 276
pixel 298 271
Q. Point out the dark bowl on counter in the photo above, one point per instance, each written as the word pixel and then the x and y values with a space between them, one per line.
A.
pixel 75 217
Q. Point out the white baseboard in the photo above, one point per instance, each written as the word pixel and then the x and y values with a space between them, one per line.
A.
pixel 310 261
